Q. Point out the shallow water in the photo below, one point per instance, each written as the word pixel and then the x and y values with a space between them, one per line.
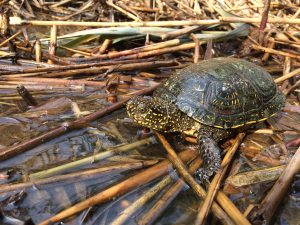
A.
pixel 40 202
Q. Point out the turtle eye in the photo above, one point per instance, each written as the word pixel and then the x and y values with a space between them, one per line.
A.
pixel 143 110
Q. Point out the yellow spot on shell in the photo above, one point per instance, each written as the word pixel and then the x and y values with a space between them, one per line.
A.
pixel 251 122
pixel 262 119
pixel 237 126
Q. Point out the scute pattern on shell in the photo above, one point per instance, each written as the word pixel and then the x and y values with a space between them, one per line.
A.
pixel 223 92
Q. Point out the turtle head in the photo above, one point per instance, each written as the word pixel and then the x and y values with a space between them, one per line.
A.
pixel 152 112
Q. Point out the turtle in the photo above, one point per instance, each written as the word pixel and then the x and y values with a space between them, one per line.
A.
pixel 213 99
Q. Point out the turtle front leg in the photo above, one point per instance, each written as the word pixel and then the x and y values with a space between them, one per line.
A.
pixel 208 138
pixel 210 153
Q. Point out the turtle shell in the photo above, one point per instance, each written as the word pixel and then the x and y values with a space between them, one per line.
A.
pixel 223 92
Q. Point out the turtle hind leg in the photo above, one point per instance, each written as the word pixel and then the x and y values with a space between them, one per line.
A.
pixel 210 153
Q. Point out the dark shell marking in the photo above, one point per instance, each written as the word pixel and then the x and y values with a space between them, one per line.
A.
pixel 223 92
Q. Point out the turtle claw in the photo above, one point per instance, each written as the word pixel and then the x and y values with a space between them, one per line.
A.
pixel 202 176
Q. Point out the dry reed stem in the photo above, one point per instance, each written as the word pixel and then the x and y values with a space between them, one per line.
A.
pixel 284 41
pixel 120 67
pixel 11 38
pixel 256 6
pixel 73 84
pixel 38 51
pixel 270 203
pixel 90 159
pixel 128 14
pixel 222 199
pixel 265 15
pixel 263 22
pixel 158 208
pixel 68 67
pixel 62 2
pixel 263 131
pixel 249 209
pixel 19 21
pixel 276 52
pixel 215 184
pixel 155 46
pixel 139 203
pixel 288 75
pixel 76 51
pixel 106 43
pixel 258 20
pixel 145 9
pixel 181 47
pixel 171 23
pixel 197 49
pixel 52 43
pixel 77 176
pixel 119 188
pixel 180 32
pixel 135 206
pixel 193 11
pixel 39 89
pixel 209 50
pixel 266 55
pixel 129 9
pixel 54 81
